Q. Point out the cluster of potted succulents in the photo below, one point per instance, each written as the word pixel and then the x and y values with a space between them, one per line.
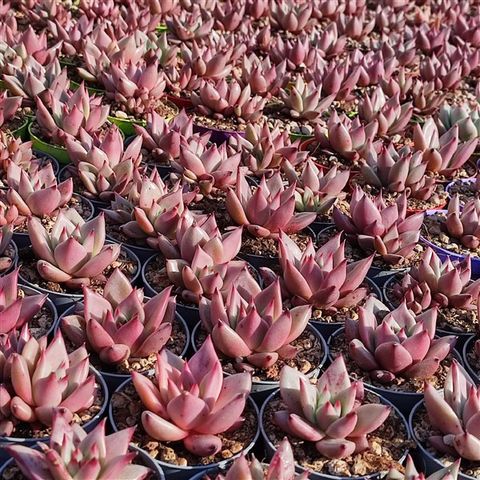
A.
pixel 239 239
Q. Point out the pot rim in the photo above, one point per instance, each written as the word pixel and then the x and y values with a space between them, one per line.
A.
pixel 466 364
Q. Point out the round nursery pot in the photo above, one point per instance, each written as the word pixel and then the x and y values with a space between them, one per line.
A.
pixel 178 472
pixel 327 329
pixel 270 447
pixel 63 301
pixel 48 303
pixel 432 464
pixel 56 151
pixel 46 158
pixel 143 253
pixel 404 401
pixel 142 457
pixel 88 426
pixel 467 348
pixel 23 240
pixel 462 337
pixel 465 181
pixel 180 102
pixel 218 136
pixel 114 380
pixel 127 125
pixel 262 389
pixel 454 257
pixel 13 246
pixel 22 130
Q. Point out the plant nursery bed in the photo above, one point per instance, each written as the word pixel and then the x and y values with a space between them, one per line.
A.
pixel 387 445
pixel 127 409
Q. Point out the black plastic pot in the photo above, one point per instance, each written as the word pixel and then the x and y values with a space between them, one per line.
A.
pixel 23 240
pixel 328 329
pixel 48 303
pixel 432 464
pixel 462 337
pixel 143 253
pixel 113 380
pixel 90 425
pixel 217 136
pixel 270 447
pixel 177 472
pixel 261 390
pixel 146 460
pixel 466 348
pixel 14 264
pixel 47 159
pixel 63 301
pixel 404 401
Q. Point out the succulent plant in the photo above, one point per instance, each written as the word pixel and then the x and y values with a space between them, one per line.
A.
pixel 44 377
pixel 265 79
pixel 33 79
pixel 258 332
pixel 329 43
pixel 444 153
pixel 297 52
pixel 426 98
pixel 455 413
pixel 191 25
pixel 69 113
pixel 37 193
pixel 265 149
pixel 282 466
pixel 72 451
pixel 464 225
pixel 399 171
pixel 444 284
pixel 291 17
pixel 391 116
pixel 103 164
pixel 345 137
pixel 212 168
pixel 316 191
pixel 468 120
pixel 229 15
pixel 74 251
pixel 269 209
pixel 15 150
pixel 17 311
pixel 162 139
pixel 376 227
pixel 221 99
pixel 303 100
pixel 207 62
pixel 137 87
pixel 9 107
pixel 330 413
pixel 6 234
pixel 411 473
pixel 396 344
pixel 119 324
pixel 321 277
pixel 199 405
pixel 356 26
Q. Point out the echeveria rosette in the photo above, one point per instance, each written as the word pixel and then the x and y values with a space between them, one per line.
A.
pixel 376 227
pixel 74 251
pixel 455 413
pixel 433 282
pixel 399 171
pixel 120 324
pixel 445 153
pixel 281 466
pixel 190 401
pixel 463 224
pixel 401 344
pixel 69 113
pixel 222 100
pixel 268 209
pixel 9 107
pixel 329 413
pixel 411 473
pixel 37 193
pixel 257 332
pixel 44 377
pixel 103 164
pixel 320 277
pixel 211 168
pixel 72 452
pixel 16 311
pixel 467 119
